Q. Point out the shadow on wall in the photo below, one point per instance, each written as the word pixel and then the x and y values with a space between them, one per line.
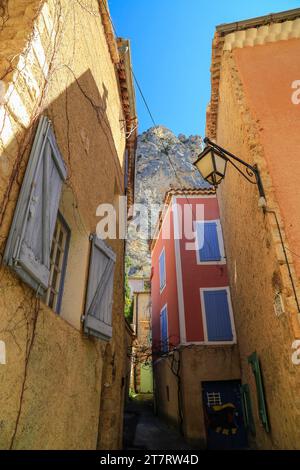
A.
pixel 85 140
pixel 76 115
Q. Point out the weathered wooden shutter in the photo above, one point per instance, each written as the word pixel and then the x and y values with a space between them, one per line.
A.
pixel 218 320
pixel 98 310
pixel 210 250
pixel 247 408
pixel 262 408
pixel 28 245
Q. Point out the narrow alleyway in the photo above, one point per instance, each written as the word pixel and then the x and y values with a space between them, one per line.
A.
pixel 144 430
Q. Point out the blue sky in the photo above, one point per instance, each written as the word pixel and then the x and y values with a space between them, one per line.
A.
pixel 171 53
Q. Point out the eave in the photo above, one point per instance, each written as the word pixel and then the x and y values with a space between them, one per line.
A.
pixel 120 55
pixel 109 32
pixel 184 192
pixel 247 33
pixel 129 108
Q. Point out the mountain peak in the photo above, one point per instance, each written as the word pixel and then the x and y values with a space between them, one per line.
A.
pixel 163 161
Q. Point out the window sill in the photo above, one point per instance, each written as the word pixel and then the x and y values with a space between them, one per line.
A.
pixel 208 263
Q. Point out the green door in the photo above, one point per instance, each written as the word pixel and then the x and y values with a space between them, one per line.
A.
pixel 146 383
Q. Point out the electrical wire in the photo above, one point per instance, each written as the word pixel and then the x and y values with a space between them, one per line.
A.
pixel 143 97
pixel 151 115
pixel 179 180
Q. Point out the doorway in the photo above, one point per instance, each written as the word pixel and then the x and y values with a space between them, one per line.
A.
pixel 223 415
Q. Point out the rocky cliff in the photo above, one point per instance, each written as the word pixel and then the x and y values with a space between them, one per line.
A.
pixel 163 161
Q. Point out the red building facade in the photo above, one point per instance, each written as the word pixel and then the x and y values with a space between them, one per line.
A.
pixel 189 273
pixel 195 352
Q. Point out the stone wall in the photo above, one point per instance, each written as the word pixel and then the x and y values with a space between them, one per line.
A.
pixel 55 60
pixel 257 269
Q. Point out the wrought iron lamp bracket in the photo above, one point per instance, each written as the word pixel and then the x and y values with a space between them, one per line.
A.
pixel 251 173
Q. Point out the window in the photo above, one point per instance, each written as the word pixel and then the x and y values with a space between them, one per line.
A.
pixel 164 329
pixel 162 269
pixel 58 262
pixel 28 246
pixel 213 398
pixel 278 304
pixel 216 308
pixel 98 309
pixel 247 408
pixel 209 242
pixel 262 408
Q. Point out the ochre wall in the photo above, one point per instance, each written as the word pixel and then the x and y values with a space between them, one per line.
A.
pixel 255 258
pixel 267 74
pixel 128 341
pixel 57 392
pixel 143 343
pixel 197 364
pixel 142 315
pixel 51 386
pixel 163 377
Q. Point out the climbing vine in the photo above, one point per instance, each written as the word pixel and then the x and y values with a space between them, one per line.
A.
pixel 27 310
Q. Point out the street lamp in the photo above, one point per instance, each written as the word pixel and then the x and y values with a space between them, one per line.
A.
pixel 212 164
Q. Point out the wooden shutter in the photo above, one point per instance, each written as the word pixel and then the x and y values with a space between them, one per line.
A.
pixel 164 330
pixel 98 310
pixel 210 250
pixel 28 245
pixel 218 320
pixel 162 270
pixel 247 408
pixel 262 408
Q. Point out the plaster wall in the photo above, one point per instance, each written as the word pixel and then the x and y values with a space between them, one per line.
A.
pixel 255 258
pixel 55 60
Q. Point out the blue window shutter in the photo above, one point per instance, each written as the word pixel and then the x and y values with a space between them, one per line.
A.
pixel 210 250
pixel 217 316
pixel 98 309
pixel 28 246
pixel 164 330
pixel 162 270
